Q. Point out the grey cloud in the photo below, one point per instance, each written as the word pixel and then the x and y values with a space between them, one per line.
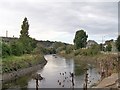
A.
pixel 97 18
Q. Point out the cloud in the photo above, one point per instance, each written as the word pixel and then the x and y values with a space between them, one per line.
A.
pixel 59 21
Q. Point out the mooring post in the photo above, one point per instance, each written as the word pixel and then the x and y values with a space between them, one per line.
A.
pixel 118 70
pixel 37 77
pixel 72 79
pixel 86 80
pixel 36 84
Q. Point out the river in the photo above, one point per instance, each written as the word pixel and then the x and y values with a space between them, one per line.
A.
pixel 56 74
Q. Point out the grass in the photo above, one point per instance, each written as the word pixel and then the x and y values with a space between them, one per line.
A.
pixel 108 61
pixel 13 63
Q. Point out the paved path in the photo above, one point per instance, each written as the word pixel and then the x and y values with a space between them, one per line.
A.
pixel 109 81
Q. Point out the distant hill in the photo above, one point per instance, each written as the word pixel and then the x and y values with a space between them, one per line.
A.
pixel 48 44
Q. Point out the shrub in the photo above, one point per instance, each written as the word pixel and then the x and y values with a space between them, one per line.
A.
pixel 16 48
pixel 5 50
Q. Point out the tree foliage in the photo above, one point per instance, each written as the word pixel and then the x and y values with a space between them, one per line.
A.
pixel 16 48
pixel 5 50
pixel 69 49
pixel 109 47
pixel 59 46
pixel 93 50
pixel 43 50
pixel 25 28
pixel 24 45
pixel 118 43
pixel 28 43
pixel 80 39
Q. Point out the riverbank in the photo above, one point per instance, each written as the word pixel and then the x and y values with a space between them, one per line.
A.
pixel 104 62
pixel 13 63
pixel 108 62
pixel 21 66
pixel 108 82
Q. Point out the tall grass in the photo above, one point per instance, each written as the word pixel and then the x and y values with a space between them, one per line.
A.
pixel 13 63
pixel 108 61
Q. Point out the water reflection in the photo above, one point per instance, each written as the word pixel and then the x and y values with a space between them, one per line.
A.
pixel 54 77
pixel 56 67
pixel 52 71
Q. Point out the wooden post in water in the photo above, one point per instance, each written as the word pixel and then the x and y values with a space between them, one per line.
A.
pixel 72 79
pixel 86 80
pixel 118 70
pixel 36 84
pixel 37 77
pixel 72 76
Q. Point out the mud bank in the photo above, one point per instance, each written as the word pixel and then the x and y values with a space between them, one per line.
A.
pixel 21 72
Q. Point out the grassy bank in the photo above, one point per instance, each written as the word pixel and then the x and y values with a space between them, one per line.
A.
pixel 108 62
pixel 13 63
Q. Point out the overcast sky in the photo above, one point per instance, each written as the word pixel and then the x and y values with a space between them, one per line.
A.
pixel 58 21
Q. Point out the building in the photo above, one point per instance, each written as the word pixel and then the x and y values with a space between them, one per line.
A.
pixel 91 43
pixel 113 44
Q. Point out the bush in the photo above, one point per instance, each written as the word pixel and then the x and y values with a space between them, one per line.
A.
pixel 43 50
pixel 77 52
pixel 5 50
pixel 13 63
pixel 16 48
pixel 93 50
pixel 69 49
pixel 118 43
pixel 109 47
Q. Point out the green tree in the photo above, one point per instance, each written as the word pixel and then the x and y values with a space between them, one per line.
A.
pixel 16 48
pixel 28 43
pixel 39 50
pixel 25 28
pixel 69 49
pixel 93 50
pixel 118 43
pixel 5 50
pixel 80 39
pixel 102 48
pixel 109 47
pixel 59 46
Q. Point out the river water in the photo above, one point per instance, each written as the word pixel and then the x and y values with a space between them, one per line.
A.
pixel 56 74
